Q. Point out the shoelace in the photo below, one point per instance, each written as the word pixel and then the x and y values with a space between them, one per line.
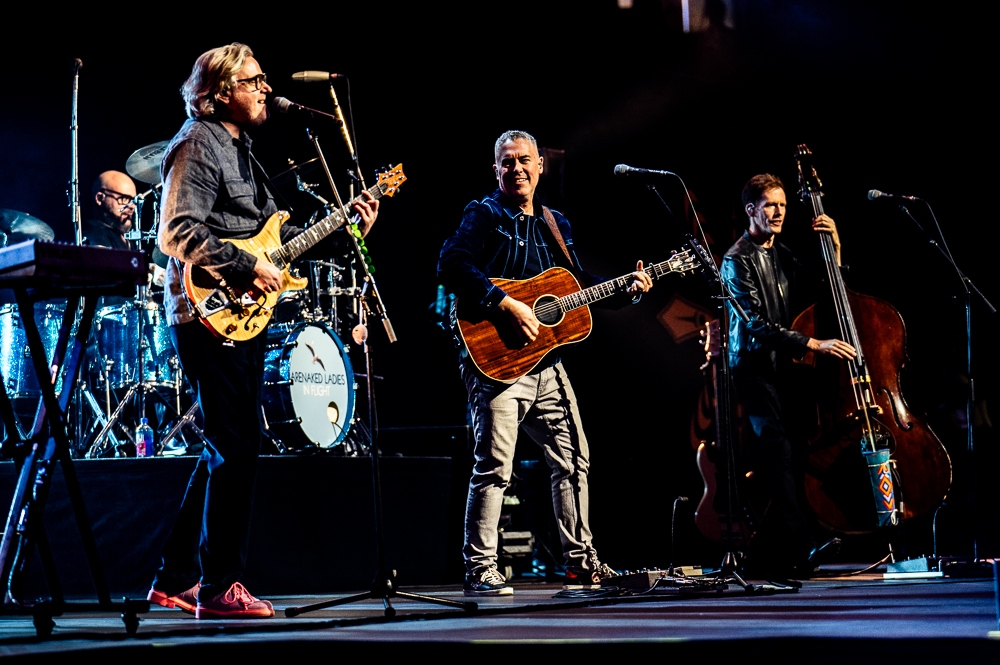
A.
pixel 239 595
pixel 493 576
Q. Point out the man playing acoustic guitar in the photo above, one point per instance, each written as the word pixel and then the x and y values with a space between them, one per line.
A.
pixel 509 235
pixel 214 191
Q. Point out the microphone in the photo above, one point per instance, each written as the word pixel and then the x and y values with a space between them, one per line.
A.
pixel 626 170
pixel 283 105
pixel 77 65
pixel 315 76
pixel 875 194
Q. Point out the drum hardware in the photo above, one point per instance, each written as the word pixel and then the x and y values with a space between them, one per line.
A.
pixel 131 352
pixel 186 420
pixel 295 170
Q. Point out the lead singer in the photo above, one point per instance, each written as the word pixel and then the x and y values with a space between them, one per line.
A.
pixel 213 190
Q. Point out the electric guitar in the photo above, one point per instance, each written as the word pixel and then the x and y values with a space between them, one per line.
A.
pixel 559 304
pixel 239 313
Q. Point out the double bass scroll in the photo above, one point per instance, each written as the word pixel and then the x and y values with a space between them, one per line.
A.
pixel 865 443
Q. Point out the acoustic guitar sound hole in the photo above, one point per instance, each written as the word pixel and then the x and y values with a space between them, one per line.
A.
pixel 547 310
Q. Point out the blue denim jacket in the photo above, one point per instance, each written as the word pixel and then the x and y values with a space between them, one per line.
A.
pixel 497 239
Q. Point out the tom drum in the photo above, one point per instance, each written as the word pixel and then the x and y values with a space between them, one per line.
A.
pixel 15 356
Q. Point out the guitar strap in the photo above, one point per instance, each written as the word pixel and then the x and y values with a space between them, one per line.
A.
pixel 554 228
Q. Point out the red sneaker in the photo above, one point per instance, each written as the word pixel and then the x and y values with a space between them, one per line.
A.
pixel 185 600
pixel 234 603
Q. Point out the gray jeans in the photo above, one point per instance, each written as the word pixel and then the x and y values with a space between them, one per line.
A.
pixel 544 405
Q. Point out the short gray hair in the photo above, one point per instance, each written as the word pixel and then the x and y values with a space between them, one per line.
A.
pixel 512 135
pixel 213 74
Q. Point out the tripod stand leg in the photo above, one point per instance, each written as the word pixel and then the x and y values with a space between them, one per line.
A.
pixel 112 421
pixel 384 588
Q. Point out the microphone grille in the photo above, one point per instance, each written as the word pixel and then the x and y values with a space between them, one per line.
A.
pixel 281 104
pixel 621 169
pixel 873 194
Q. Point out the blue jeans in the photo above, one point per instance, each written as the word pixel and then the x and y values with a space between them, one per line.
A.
pixel 543 404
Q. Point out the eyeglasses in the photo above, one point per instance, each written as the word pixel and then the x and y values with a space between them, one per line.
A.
pixel 257 82
pixel 123 199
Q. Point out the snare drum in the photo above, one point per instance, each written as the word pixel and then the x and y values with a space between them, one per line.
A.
pixel 133 345
pixel 308 386
pixel 15 356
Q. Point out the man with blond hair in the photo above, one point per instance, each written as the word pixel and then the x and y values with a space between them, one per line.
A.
pixel 214 190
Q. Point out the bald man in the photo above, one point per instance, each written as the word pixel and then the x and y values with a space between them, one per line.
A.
pixel 113 197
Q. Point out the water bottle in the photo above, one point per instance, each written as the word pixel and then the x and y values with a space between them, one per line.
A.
pixel 144 446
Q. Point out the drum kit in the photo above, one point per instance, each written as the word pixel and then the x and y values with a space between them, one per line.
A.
pixel 132 371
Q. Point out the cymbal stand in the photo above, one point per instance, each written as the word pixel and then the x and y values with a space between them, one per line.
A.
pixel 384 583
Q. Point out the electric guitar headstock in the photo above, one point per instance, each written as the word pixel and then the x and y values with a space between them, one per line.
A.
pixel 390 180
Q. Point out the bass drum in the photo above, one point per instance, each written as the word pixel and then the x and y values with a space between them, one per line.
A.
pixel 308 387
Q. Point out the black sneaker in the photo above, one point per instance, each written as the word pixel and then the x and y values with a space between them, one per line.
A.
pixel 487 582
pixel 579 579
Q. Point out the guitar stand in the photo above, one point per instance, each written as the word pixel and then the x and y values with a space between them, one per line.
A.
pixel 35 458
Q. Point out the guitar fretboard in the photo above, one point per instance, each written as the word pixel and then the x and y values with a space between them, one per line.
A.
pixel 677 263
pixel 295 247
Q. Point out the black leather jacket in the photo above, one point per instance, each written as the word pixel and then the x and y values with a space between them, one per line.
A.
pixel 761 286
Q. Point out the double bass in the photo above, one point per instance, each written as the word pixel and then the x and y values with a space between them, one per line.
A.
pixel 871 461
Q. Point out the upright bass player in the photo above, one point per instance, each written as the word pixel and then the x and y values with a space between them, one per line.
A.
pixel 762 274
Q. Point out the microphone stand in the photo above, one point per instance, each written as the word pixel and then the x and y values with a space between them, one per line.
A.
pixel 384 583
pixel 968 287
pixel 346 133
pixel 728 571
pixel 74 184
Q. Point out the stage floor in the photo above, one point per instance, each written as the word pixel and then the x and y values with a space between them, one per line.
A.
pixel 942 620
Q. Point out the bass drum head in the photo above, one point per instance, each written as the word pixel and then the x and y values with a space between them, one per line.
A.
pixel 308 386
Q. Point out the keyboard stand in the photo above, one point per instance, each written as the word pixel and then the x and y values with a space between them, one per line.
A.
pixel 35 457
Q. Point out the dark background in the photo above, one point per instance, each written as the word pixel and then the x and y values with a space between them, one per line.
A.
pixel 887 95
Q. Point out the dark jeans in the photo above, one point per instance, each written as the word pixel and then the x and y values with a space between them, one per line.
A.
pixel 784 536
pixel 209 540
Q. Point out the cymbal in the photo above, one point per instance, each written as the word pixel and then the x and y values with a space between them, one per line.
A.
pixel 18 226
pixel 301 169
pixel 144 163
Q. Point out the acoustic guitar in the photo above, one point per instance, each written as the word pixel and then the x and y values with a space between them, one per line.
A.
pixel 559 304
pixel 239 313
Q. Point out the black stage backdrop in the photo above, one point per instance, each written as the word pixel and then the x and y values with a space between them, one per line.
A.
pixel 887 95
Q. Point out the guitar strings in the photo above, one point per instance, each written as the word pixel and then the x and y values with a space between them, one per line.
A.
pixel 583 297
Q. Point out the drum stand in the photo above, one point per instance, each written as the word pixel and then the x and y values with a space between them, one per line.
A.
pixel 137 392
pixel 384 583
